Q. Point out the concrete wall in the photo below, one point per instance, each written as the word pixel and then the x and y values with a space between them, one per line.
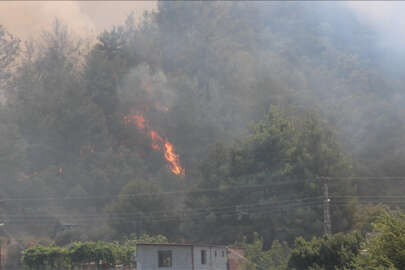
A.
pixel 214 262
pixel 182 257
pixel 147 257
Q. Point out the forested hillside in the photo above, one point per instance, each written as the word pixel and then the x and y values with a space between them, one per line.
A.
pixel 206 122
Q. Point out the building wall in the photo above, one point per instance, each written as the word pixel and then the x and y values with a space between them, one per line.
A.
pixel 182 257
pixel 214 262
pixel 147 257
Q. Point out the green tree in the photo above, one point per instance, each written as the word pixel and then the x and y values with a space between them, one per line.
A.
pixel 106 66
pixel 275 258
pixel 140 209
pixel 9 49
pixel 41 257
pixel 12 152
pixel 333 252
pixel 365 216
pixel 384 248
pixel 284 154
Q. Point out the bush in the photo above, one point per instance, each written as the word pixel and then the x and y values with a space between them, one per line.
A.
pixel 104 254
pixel 385 249
pixel 333 252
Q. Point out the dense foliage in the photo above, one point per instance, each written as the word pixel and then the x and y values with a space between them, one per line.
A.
pixel 104 255
pixel 275 258
pixel 328 252
pixel 382 248
pixel 385 247
pixel 281 159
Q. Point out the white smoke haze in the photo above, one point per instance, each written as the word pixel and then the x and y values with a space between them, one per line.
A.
pixel 25 19
pixel 148 87
pixel 199 82
pixel 387 17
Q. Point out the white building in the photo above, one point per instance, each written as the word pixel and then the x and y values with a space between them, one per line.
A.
pixel 181 257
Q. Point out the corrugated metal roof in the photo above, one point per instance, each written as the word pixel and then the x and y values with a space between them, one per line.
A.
pixel 162 244
pixel 179 244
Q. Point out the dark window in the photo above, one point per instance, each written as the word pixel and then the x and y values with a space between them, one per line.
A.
pixel 203 257
pixel 165 258
pixel 223 253
pixel 215 253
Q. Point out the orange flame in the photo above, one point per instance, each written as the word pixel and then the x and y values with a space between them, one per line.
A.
pixel 162 108
pixel 140 121
pixel 158 143
pixel 157 140
pixel 173 159
pixel 135 118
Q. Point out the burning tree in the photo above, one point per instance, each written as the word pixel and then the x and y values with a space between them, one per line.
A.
pixel 159 143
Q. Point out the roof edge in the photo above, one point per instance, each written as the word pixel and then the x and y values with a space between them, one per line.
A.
pixel 179 244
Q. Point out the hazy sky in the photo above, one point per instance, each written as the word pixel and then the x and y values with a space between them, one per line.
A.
pixel 385 16
pixel 25 18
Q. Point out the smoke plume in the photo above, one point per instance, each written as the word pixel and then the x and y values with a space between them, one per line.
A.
pixel 26 18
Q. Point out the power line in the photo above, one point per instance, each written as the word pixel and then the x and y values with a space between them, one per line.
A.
pixel 364 177
pixel 242 206
pixel 220 189
pixel 235 207
pixel 224 212
pixel 370 196
pixel 255 208
pixel 229 208
pixel 229 213
pixel 163 220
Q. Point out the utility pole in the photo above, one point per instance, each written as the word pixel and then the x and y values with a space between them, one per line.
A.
pixel 1 246
pixel 327 225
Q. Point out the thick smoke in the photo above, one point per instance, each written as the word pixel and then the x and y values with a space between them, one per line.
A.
pixel 387 20
pixel 385 16
pixel 146 88
pixel 198 75
pixel 26 19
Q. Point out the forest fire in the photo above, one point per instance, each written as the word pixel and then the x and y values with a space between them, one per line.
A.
pixel 135 118
pixel 158 142
pixel 173 159
pixel 162 108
